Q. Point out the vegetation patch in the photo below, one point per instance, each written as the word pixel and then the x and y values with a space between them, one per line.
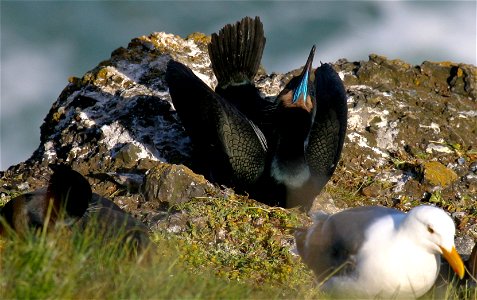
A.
pixel 73 264
pixel 242 240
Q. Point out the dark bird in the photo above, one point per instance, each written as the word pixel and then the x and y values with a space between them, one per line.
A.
pixel 66 199
pixel 281 152
pixel 311 120
pixel 69 200
pixel 229 145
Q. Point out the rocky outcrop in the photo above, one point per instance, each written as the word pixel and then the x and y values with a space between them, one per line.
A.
pixel 411 139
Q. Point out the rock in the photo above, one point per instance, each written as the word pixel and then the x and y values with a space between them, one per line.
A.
pixel 473 167
pixel 372 190
pixel 415 190
pixel 437 174
pixel 174 184
pixel 324 203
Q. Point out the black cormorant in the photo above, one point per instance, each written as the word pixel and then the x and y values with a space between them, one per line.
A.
pixel 281 152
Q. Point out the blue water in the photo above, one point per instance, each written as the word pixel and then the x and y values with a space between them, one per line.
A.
pixel 43 43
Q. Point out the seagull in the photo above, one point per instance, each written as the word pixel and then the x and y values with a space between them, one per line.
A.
pixel 378 252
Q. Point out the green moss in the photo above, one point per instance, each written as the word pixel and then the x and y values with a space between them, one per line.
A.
pixel 8 195
pixel 422 155
pixel 437 174
pixel 242 240
pixel 3 201
pixel 349 196
pixel 199 38
pixel 436 198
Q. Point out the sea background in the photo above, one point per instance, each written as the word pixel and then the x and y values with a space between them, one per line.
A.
pixel 45 42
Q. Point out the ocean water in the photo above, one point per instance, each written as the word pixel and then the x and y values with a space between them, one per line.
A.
pixel 43 43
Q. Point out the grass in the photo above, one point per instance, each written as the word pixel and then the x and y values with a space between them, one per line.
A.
pixel 74 264
pixel 231 249
pixel 242 242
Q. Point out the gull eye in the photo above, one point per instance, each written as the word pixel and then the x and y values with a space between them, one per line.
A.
pixel 429 228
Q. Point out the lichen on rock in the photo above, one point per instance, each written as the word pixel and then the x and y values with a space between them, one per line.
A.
pixel 438 174
pixel 174 184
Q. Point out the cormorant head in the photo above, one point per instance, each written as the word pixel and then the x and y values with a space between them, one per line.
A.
pixel 297 93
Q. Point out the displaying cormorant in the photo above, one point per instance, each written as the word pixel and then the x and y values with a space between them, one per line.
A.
pixel 311 120
pixel 281 153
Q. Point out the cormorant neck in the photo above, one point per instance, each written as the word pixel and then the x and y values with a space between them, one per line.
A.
pixel 293 127
pixel 290 170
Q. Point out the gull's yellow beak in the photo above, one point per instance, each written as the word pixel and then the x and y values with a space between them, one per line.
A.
pixel 455 261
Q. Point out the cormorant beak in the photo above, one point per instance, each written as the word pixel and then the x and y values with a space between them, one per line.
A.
pixel 302 89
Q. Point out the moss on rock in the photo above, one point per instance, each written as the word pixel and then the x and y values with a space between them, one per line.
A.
pixel 437 174
pixel 174 184
pixel 242 240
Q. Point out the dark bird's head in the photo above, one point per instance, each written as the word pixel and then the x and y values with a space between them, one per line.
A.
pixel 69 190
pixel 298 92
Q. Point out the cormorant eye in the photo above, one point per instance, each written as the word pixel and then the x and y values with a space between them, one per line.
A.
pixel 429 228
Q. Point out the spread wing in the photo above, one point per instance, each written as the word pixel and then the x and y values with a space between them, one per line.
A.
pixel 217 127
pixel 329 127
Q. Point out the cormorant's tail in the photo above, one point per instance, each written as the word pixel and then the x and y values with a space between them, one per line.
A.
pixel 236 51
